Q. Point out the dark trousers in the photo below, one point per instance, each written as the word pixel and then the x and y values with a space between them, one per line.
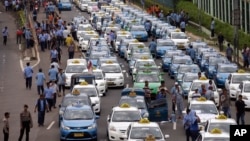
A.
pixel 5 136
pixel 28 82
pixel 40 89
pixel 229 58
pixel 188 134
pixel 221 46
pixel 74 36
pixel 18 39
pixel 194 135
pixel 240 116
pixel 61 88
pixel 27 43
pixel 4 40
pixel 59 57
pixel 50 102
pixel 212 32
pixel 54 60
pixel 71 54
pixel 26 127
pixel 43 45
pixel 54 100
pixel 183 30
pixel 41 115
pixel 173 106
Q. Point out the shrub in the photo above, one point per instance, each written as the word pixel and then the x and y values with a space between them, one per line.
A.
pixel 22 19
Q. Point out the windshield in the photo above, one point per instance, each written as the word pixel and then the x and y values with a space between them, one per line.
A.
pixel 179 35
pixel 190 78
pixel 137 29
pixel 144 63
pixel 247 88
pixel 184 69
pixel 180 60
pixel 111 69
pixel 92 4
pixel 83 28
pixel 171 54
pixel 165 44
pixel 91 92
pixel 215 61
pixel 70 100
pixel 237 79
pixel 64 1
pixel 224 126
pixel 204 108
pixel 143 132
pixel 126 116
pixel 98 75
pixel 141 78
pixel 75 68
pixel 76 114
pixel 227 69
pixel 139 103
pixel 97 55
pixel 197 85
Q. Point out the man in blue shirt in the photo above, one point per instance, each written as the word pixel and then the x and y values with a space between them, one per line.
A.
pixel 49 95
pixel 161 94
pixel 61 81
pixel 54 55
pixel 183 26
pixel 41 107
pixel 152 47
pixel 40 78
pixel 191 52
pixel 28 72
pixel 53 72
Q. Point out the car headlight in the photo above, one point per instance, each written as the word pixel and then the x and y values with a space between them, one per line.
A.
pixel 92 126
pixel 244 97
pixel 112 128
pixel 102 84
pixel 64 127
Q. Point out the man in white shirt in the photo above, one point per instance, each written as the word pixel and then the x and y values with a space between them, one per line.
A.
pixel 5 33
pixel 56 65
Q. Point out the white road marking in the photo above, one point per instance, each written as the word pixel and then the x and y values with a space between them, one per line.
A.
pixel 160 64
pixel 127 75
pixel 174 125
pixel 127 85
pixel 51 124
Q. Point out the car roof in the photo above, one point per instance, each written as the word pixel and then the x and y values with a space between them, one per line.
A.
pixel 150 124
pixel 201 102
pixel 228 120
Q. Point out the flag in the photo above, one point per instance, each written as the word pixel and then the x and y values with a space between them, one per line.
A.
pixel 90 67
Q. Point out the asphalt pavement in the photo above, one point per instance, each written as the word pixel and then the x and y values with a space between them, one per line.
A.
pixel 14 95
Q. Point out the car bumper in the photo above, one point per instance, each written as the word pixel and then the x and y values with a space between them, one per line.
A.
pixel 83 47
pixel 232 93
pixel 97 108
pixel 68 83
pixel 101 89
pixel 114 136
pixel 69 135
pixel 116 83
pixel 142 38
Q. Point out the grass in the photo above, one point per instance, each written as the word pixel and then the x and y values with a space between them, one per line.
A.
pixel 196 31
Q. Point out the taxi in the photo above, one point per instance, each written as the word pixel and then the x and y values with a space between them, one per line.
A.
pixel 139 32
pixel 196 84
pixel 222 71
pixel 82 29
pixel 221 122
pixel 185 82
pixel 131 45
pixel 214 135
pixel 64 5
pixel 144 130
pixel 100 81
pixel 210 64
pixel 205 56
pixel 78 123
pixel 146 62
pixel 154 79
pixel 122 47
pixel 205 109
pixel 139 51
pixel 234 80
pixel 119 36
pixel 92 7
pixel 167 58
pixel 92 92
pixel 120 119
pixel 196 44
pixel 71 98
pixel 74 66
pixel 83 4
pixel 84 40
pixel 94 55
pixel 184 68
pixel 162 46
pixel 244 90
pixel 105 59
pixel 180 39
pixel 113 74
pixel 176 61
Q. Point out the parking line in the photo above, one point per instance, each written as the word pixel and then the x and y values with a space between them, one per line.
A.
pixel 126 74
pixel 50 125
pixel 174 125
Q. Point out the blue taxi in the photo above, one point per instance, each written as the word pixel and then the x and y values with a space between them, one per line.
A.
pixel 185 82
pixel 222 71
pixel 167 58
pixel 139 32
pixel 78 123
pixel 163 45
pixel 64 5
pixel 210 64
pixel 204 57
pixel 176 61
pixel 184 68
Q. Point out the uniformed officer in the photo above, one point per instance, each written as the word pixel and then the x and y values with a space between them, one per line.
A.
pixel 28 72
pixel 26 123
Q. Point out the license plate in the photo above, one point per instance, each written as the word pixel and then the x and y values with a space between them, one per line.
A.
pixel 78 135
pixel 111 83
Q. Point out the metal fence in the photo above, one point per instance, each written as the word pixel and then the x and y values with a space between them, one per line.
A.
pixel 166 3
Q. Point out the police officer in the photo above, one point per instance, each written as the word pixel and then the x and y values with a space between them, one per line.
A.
pixel 26 123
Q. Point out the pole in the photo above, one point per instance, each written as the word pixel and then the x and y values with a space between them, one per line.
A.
pixel 236 19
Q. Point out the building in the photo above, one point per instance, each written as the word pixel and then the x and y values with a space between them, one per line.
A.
pixel 223 10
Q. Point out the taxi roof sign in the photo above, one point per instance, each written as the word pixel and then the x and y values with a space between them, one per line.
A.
pixel 125 105
pixel 221 117
pixel 76 92
pixel 216 131
pixel 109 62
pixel 150 138
pixel 135 41
pixel 203 78
pixel 177 30
pixel 132 94
pixel 140 46
pixel 241 71
pixel 76 62
pixel 84 83
pixel 144 121
pixel 144 57
pixel 201 99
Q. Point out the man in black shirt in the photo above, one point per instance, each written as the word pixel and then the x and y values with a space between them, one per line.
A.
pixel 240 110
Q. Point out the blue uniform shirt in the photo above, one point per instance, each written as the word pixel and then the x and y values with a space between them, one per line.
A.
pixel 28 71
pixel 48 92
pixel 53 74
pixel 152 46
pixel 40 77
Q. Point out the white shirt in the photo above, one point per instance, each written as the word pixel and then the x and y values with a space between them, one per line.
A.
pixel 56 65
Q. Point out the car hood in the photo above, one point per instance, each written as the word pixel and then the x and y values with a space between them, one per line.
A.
pixel 204 117
pixel 186 85
pixel 121 125
pixel 138 32
pixel 223 75
pixel 112 75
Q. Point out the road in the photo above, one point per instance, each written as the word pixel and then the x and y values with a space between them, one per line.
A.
pixel 14 95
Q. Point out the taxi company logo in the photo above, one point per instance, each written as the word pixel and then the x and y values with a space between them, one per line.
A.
pixel 158 113
pixel 239 132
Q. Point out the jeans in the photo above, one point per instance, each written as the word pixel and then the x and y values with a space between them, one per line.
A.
pixel 26 127
pixel 28 82
pixel 226 111
pixel 50 102
pixel 240 116
pixel 6 136
pixel 41 115
pixel 188 134
pixel 194 134
pixel 71 54
pixel 27 43
pixel 54 99
pixel 173 106
pixel 40 89
pixel 179 108
pixel 42 44
pixel 61 88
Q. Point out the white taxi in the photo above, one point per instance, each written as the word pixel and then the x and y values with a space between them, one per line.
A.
pixel 245 92
pixel 74 66
pixel 214 135
pixel 83 4
pixel 143 62
pixel 205 109
pixel 221 122
pixel 113 74
pixel 92 7
pixel 196 84
pixel 143 130
pixel 179 38
pixel 120 119
pixel 100 80
pixel 84 40
pixel 130 46
pixel 82 29
pixel 119 36
pixel 92 92
pixel 234 80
